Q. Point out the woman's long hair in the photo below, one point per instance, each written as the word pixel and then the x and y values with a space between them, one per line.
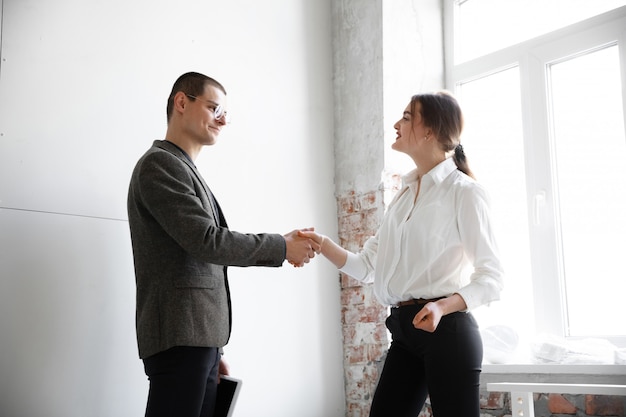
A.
pixel 442 114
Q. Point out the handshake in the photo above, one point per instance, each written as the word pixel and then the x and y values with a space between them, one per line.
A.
pixel 302 246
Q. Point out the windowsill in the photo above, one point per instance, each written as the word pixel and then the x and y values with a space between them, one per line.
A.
pixel 555 369
pixel 572 374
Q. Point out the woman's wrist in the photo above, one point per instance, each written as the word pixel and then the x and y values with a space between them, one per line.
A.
pixel 322 243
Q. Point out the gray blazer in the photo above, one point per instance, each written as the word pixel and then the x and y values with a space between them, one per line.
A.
pixel 181 248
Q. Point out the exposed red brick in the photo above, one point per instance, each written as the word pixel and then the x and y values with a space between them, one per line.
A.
pixel 493 401
pixel 358 409
pixel 355 314
pixel 353 295
pixel 349 282
pixel 364 354
pixel 360 381
pixel 349 333
pixel 356 354
pixel 354 203
pixel 364 334
pixel 375 352
pixel 558 404
pixel 372 314
pixel 380 334
pixel 426 412
pixel 604 405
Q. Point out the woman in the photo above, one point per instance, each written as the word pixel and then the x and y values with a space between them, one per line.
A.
pixel 436 225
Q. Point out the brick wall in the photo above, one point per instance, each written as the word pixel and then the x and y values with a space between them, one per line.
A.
pixel 498 404
pixel 363 318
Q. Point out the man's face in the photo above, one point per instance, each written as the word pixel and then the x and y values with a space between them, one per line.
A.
pixel 199 118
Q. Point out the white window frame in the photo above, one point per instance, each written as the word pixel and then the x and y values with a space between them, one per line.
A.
pixel 533 58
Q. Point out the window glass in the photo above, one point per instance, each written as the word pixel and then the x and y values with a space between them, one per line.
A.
pixel 590 154
pixel 484 26
pixel 545 133
pixel 494 145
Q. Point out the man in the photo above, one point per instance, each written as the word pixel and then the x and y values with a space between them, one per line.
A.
pixel 182 247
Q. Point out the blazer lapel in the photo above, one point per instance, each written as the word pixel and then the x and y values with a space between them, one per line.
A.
pixel 218 216
pixel 215 208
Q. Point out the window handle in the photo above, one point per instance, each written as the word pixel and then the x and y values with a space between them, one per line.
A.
pixel 539 203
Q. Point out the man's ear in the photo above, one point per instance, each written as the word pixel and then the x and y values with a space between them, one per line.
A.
pixel 180 101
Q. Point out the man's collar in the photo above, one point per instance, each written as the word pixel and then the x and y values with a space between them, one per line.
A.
pixel 179 149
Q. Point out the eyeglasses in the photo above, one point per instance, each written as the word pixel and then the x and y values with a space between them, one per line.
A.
pixel 218 110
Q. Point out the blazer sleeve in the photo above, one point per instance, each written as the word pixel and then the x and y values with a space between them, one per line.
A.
pixel 166 191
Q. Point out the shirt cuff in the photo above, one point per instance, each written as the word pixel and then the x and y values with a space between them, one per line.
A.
pixel 354 266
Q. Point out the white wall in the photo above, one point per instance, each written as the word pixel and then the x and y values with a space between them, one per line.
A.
pixel 413 45
pixel 83 85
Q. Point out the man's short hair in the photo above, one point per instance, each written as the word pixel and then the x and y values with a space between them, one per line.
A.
pixel 191 83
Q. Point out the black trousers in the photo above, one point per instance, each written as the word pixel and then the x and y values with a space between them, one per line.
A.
pixel 183 382
pixel 444 365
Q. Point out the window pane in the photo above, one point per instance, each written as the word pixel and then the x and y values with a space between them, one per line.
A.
pixel 590 150
pixel 484 26
pixel 495 150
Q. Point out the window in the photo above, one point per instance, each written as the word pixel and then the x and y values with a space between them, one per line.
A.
pixel 545 133
pixel 484 26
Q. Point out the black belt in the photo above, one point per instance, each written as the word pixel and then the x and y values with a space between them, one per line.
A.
pixel 417 301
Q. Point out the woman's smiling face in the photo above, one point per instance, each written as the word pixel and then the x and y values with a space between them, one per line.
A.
pixel 410 130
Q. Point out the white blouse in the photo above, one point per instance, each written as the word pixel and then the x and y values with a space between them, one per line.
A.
pixel 423 249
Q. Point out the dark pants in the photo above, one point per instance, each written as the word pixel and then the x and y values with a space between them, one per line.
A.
pixel 183 382
pixel 444 365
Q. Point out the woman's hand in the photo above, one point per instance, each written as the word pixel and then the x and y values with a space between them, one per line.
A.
pixel 316 237
pixel 428 317
pixel 325 245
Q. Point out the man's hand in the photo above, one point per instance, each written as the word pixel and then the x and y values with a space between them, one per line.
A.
pixel 223 369
pixel 300 250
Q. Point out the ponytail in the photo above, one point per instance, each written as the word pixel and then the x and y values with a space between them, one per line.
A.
pixel 442 114
pixel 461 161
